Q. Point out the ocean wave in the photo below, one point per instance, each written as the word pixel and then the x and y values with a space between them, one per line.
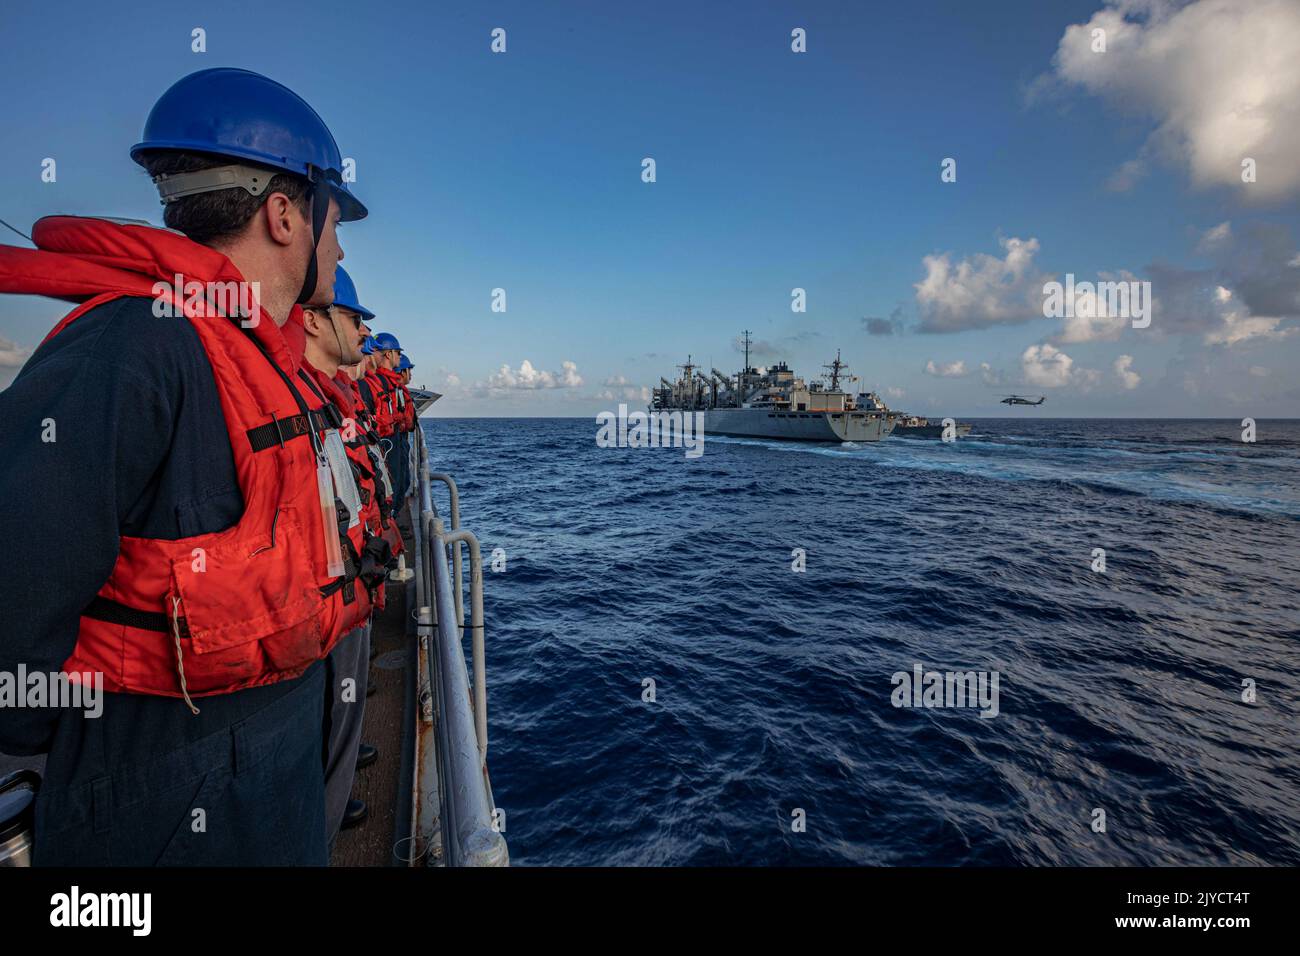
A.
pixel 772 687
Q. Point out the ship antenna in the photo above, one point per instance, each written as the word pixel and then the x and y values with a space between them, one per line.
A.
pixel 744 374
pixel 836 367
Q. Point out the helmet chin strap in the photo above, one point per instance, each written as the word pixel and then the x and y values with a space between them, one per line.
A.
pixel 337 338
pixel 320 207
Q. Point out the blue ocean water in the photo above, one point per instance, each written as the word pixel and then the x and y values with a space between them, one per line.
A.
pixel 1118 691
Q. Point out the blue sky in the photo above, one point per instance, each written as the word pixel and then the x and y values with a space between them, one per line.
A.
pixel 775 170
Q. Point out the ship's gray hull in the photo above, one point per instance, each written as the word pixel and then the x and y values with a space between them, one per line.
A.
pixel 795 426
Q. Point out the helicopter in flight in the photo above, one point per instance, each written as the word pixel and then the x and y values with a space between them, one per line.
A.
pixel 1021 400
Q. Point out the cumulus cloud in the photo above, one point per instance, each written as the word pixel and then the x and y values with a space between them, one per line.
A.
pixel 1124 371
pixel 1251 291
pixel 981 290
pixel 12 355
pixel 12 358
pixel 1219 78
pixel 1238 325
pixel 1094 319
pixel 945 369
pixel 527 378
pixel 1048 366
pixel 630 393
pixel 450 380
pixel 619 388
pixel 991 376
pixel 894 392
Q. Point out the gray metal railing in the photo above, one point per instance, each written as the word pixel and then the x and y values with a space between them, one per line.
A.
pixel 469 834
pixel 454 512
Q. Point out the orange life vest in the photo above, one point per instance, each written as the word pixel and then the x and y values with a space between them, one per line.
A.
pixel 213 613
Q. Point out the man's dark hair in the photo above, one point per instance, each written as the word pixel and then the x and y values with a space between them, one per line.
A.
pixel 209 217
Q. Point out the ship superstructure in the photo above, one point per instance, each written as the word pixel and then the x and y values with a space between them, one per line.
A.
pixel 773 402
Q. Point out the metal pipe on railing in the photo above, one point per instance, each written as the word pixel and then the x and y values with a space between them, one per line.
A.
pixel 426 508
pixel 455 526
pixel 476 626
pixel 420 545
pixel 473 840
pixel 469 837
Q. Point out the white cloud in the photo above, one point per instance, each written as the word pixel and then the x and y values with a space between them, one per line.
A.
pixel 1238 325
pixel 1046 365
pixel 1214 238
pixel 989 375
pixel 1220 78
pixel 12 359
pixel 894 392
pixel 12 355
pixel 981 290
pixel 1249 293
pixel 1093 319
pixel 452 380
pixel 527 378
pixel 630 393
pixel 945 369
pixel 1124 370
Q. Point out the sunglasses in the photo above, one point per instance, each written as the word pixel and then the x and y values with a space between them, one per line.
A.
pixel 356 318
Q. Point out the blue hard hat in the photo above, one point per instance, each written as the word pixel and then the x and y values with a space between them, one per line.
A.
pixel 246 116
pixel 385 341
pixel 404 363
pixel 368 345
pixel 345 294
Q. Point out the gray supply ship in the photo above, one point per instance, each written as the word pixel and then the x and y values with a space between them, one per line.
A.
pixel 774 403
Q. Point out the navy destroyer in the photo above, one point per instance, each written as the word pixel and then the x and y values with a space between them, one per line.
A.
pixel 773 402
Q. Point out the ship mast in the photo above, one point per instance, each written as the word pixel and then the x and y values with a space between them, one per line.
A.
pixel 836 368
pixel 689 388
pixel 740 379
pixel 687 369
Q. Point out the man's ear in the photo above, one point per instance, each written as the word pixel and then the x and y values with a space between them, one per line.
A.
pixel 283 218
pixel 313 321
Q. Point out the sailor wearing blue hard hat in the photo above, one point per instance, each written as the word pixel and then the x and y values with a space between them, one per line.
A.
pixel 404 366
pixel 234 131
pixel 334 333
pixel 388 350
pixel 333 341
pixel 251 180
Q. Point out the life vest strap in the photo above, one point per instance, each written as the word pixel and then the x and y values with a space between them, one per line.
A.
pixel 278 431
pixel 111 612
